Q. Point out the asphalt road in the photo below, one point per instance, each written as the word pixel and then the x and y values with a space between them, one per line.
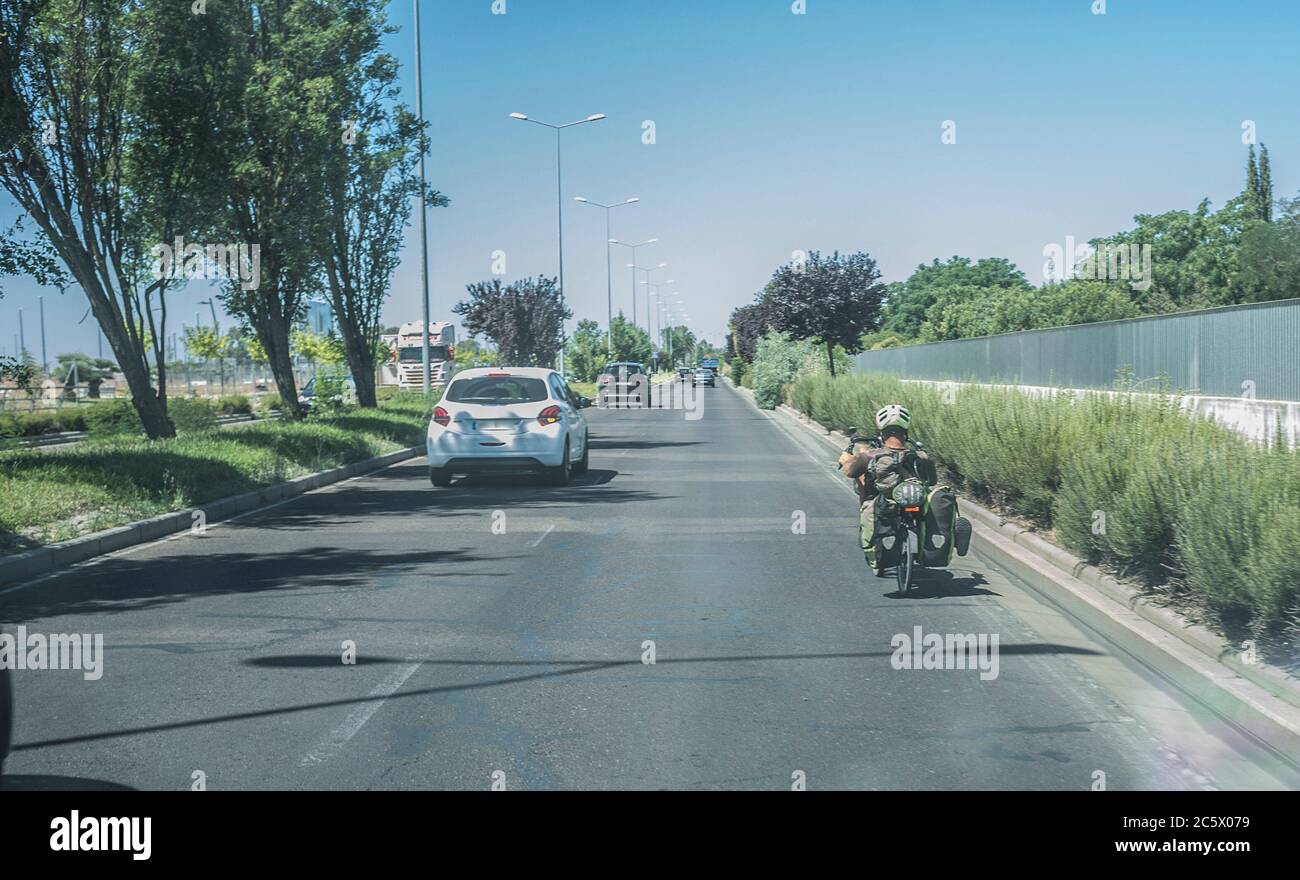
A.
pixel 500 629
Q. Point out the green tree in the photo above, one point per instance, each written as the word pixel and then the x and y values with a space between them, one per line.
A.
pixel 370 180
pixel 524 320
pixel 585 353
pixel 22 373
pixel 1269 261
pixel 910 301
pixel 76 77
pixel 19 255
pixel 832 300
pixel 74 368
pixel 629 342
pixel 1265 184
pixel 748 324
pixel 319 348
pixel 297 63
pixel 471 353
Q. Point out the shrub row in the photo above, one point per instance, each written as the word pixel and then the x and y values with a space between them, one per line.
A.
pixel 114 416
pixel 1184 506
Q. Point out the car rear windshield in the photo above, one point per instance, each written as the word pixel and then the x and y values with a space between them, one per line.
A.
pixel 632 369
pixel 497 389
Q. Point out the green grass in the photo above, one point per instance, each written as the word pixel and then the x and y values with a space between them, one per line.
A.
pixel 584 389
pixel 1184 507
pixel 106 481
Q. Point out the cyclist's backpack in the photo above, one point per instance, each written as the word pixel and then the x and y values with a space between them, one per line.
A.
pixel 939 523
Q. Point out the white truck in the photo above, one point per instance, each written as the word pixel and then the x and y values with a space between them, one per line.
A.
pixel 405 366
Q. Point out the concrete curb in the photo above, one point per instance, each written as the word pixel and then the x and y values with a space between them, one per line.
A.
pixel 1261 699
pixel 43 560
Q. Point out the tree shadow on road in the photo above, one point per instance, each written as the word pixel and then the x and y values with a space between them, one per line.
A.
pixel 466 496
pixel 641 444
pixel 131 584
pixel 557 668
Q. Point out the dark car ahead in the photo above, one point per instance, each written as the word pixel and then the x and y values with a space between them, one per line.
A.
pixel 622 381
pixel 703 376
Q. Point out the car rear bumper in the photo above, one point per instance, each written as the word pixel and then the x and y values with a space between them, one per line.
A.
pixel 505 464
pixel 472 453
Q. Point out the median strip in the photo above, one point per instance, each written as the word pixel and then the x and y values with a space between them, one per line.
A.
pixel 23 567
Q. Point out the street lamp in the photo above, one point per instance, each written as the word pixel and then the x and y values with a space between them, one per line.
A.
pixel 424 237
pixel 653 290
pixel 648 326
pixel 609 272
pixel 633 267
pixel 559 188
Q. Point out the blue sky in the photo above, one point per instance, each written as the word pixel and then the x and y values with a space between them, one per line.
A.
pixel 778 132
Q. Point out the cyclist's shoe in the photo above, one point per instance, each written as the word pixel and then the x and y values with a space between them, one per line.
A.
pixel 961 532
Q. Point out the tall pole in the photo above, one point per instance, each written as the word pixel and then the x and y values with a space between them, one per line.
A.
pixel 22 338
pixel 609 293
pixel 45 361
pixel 559 193
pixel 424 236
pixel 559 223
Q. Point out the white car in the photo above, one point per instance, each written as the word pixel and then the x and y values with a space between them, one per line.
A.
pixel 507 420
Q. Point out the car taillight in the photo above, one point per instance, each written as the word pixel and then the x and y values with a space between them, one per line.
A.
pixel 549 416
pixel 441 416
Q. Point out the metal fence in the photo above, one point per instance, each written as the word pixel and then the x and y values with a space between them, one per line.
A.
pixel 1249 350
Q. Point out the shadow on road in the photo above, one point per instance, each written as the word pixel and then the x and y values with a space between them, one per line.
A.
pixel 641 444
pixel 19 782
pixel 380 496
pixel 565 668
pixel 939 583
pixel 131 584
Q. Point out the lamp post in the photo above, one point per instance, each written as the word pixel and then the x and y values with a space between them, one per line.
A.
pixel 649 328
pixel 654 291
pixel 559 189
pixel 646 269
pixel 45 361
pixel 609 271
pixel 424 238
pixel 632 265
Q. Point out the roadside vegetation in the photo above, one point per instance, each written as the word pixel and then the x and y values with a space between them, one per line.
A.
pixel 115 416
pixel 118 475
pixel 1183 507
pixel 1247 251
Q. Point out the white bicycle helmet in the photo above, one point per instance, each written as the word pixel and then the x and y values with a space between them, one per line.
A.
pixel 893 416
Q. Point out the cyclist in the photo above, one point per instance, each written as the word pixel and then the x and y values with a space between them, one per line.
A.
pixel 880 464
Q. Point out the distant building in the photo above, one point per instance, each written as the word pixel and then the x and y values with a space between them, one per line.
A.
pixel 319 317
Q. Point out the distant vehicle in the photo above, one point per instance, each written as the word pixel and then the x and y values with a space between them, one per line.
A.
pixel 508 420
pixel 622 381
pixel 307 397
pixel 683 373
pixel 704 376
pixel 711 363
pixel 406 364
